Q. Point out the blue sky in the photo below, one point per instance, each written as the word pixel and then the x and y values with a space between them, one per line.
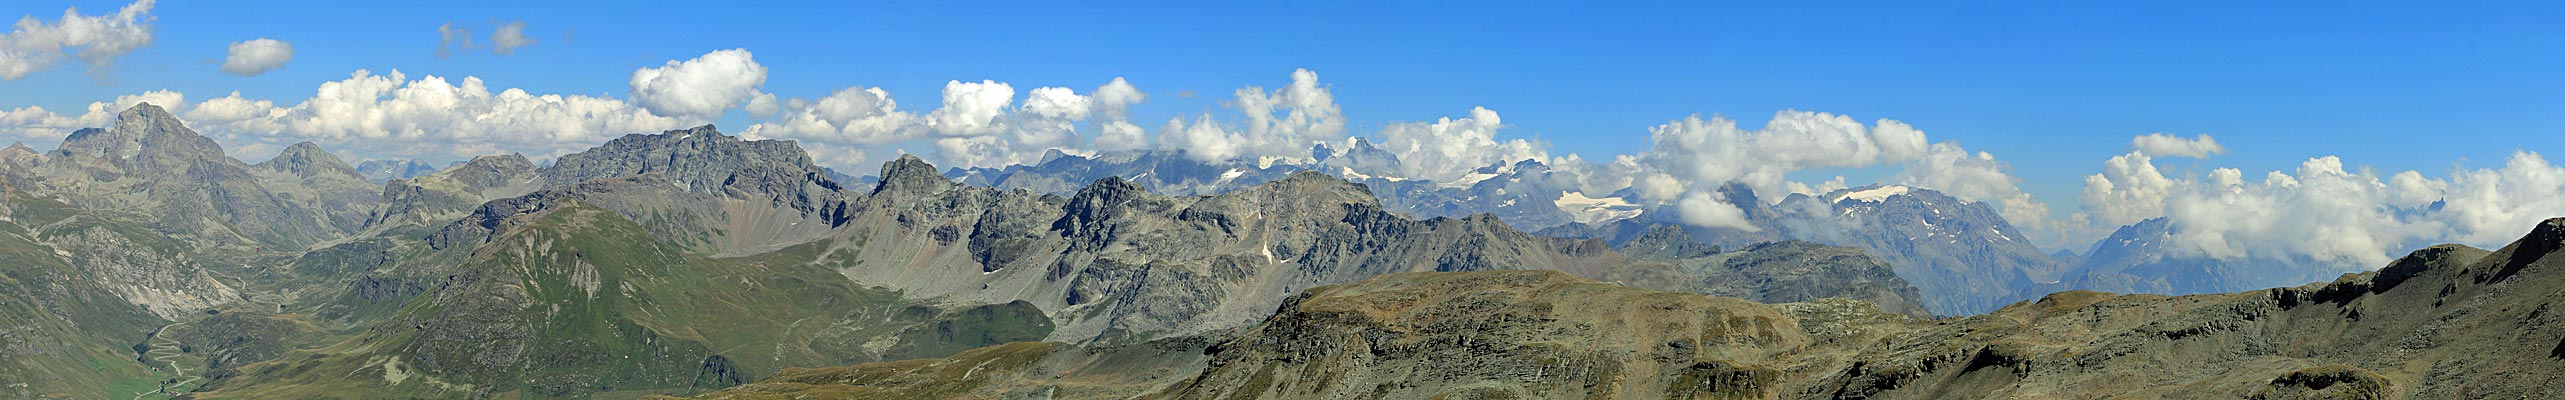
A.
pixel 2052 88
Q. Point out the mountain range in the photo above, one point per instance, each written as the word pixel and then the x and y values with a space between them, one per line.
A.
pixel 692 260
pixel 141 259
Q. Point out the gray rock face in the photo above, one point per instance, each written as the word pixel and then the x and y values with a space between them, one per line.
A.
pixel 697 187
pixel 701 160
pixel 1962 254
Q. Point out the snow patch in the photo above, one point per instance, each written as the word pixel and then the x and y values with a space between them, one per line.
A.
pixel 1349 174
pixel 1466 180
pixel 1873 195
pixel 1225 177
pixel 1592 210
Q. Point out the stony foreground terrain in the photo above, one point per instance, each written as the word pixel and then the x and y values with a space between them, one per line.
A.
pixel 2444 322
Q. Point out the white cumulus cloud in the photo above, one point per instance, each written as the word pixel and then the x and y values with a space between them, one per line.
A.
pixel 1280 125
pixel 2166 145
pixel 976 124
pixel 1448 147
pixel 2128 190
pixel 702 87
pixel 256 56
pixel 36 45
pixel 1114 130
pixel 972 109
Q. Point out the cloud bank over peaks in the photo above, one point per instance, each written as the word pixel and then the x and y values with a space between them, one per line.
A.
pixel 2326 212
pixel 34 45
pixel 1447 148
pixel 388 115
pixel 1689 159
pixel 1281 125
pixel 977 124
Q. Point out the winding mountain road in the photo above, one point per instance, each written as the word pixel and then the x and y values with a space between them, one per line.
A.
pixel 165 350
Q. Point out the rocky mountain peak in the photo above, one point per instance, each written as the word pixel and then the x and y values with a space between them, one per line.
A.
pixel 908 174
pixel 143 122
pixel 308 159
pixel 18 153
pixel 1666 242
pixel 1318 185
pixel 1098 202
pixel 699 159
pixel 1111 187
pixel 147 117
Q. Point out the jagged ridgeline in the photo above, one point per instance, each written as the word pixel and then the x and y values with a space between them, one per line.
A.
pixel 689 261
pixel 1963 255
pixel 2445 322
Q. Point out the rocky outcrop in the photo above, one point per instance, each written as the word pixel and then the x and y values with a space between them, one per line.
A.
pixel 1507 334
pixel 1797 271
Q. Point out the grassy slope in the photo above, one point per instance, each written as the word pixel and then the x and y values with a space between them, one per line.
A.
pixel 64 337
pixel 581 301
